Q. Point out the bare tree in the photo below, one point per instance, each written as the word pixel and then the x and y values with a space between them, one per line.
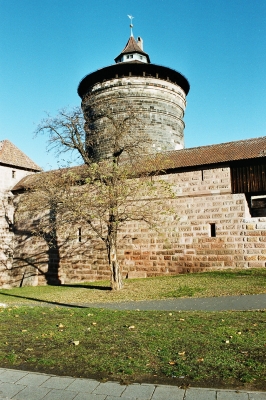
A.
pixel 102 194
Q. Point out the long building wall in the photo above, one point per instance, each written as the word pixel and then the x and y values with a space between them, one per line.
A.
pixel 210 229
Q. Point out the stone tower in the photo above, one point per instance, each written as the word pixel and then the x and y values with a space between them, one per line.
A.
pixel 155 93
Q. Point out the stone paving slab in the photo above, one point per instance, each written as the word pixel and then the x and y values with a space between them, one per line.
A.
pixel 120 398
pixel 83 385
pixel 8 390
pixel 12 376
pixel 56 394
pixel 32 393
pixel 33 379
pixel 141 391
pixel 58 382
pixel 110 388
pixel 168 392
pixel 200 394
pixel 87 396
pixel 257 396
pixel 225 395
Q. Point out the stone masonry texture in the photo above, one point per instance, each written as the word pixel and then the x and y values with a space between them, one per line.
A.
pixel 210 229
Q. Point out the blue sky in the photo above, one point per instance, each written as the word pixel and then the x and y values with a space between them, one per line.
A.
pixel 48 46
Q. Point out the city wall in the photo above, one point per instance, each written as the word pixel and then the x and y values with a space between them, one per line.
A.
pixel 210 229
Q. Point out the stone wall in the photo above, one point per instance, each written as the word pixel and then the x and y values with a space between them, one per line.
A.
pixel 9 176
pixel 210 229
pixel 158 108
pixel 214 231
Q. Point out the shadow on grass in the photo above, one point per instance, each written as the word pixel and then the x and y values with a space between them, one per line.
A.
pixel 55 303
pixel 44 302
pixel 86 286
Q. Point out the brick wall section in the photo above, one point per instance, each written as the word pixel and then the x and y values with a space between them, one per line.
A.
pixel 202 198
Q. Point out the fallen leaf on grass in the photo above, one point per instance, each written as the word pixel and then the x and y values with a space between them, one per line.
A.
pixel 60 325
pixel 172 363
pixel 131 327
pixel 24 330
pixel 200 359
pixel 75 342
pixel 181 353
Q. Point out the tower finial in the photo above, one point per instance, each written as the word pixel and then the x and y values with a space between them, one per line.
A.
pixel 131 25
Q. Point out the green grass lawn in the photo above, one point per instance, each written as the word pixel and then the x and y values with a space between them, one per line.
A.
pixel 214 349
pixel 219 283
pixel 218 349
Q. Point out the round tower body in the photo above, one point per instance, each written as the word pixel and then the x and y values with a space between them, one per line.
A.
pixel 153 94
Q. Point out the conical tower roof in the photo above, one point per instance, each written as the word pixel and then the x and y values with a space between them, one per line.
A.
pixel 131 48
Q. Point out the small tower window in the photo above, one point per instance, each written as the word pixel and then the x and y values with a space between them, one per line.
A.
pixel 13 174
pixel 213 230
pixel 79 235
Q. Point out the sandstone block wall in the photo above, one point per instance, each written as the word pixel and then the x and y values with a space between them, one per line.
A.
pixel 210 229
pixel 158 105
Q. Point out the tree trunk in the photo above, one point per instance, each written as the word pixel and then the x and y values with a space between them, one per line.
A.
pixel 116 278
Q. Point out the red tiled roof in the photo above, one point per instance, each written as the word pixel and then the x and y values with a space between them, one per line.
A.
pixel 11 155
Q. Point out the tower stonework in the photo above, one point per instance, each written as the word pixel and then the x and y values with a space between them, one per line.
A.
pixel 155 94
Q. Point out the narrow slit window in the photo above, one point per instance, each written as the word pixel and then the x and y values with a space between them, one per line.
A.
pixel 213 230
pixel 79 235
pixel 13 174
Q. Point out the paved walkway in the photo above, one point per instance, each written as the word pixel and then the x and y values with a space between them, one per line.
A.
pixel 223 303
pixel 22 385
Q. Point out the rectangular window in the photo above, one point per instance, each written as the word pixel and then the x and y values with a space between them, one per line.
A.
pixel 13 174
pixel 258 206
pixel 79 235
pixel 213 230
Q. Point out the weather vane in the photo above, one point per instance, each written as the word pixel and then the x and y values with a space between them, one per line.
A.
pixel 131 25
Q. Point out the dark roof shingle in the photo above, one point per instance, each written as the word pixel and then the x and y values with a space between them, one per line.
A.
pixel 216 153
